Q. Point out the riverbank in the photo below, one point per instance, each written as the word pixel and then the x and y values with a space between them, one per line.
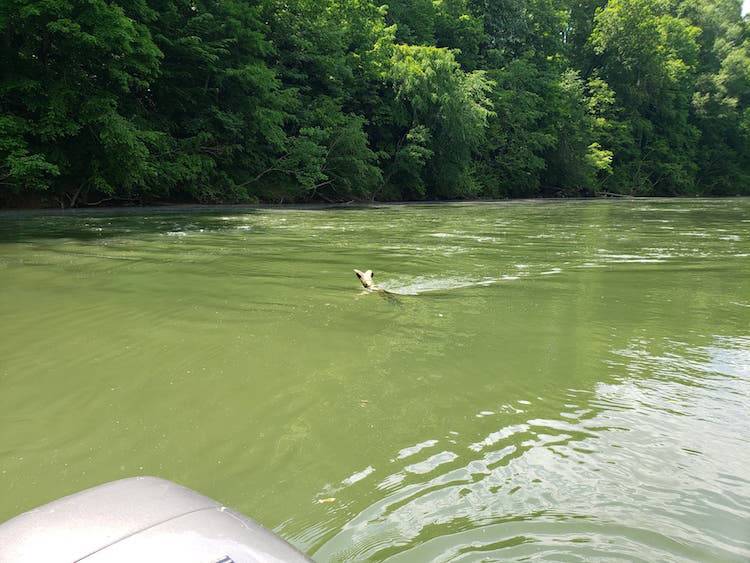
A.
pixel 234 207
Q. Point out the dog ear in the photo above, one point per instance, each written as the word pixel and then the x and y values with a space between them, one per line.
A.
pixel 369 272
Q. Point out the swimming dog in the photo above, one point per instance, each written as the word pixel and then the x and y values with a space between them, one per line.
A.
pixel 366 279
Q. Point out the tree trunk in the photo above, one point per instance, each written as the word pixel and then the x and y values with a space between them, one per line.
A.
pixel 75 195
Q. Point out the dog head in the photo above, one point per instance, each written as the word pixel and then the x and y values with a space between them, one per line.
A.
pixel 365 278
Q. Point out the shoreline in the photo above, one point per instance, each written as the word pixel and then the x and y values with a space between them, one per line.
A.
pixel 176 208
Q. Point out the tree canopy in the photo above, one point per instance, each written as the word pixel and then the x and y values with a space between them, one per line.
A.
pixel 338 100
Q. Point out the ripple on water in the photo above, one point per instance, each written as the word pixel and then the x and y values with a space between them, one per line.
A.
pixel 594 482
pixel 504 413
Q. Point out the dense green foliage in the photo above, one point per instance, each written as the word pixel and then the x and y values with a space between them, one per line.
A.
pixel 335 100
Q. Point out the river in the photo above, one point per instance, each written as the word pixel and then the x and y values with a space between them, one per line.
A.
pixel 550 380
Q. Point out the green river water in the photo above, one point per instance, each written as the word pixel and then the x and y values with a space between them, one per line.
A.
pixel 557 380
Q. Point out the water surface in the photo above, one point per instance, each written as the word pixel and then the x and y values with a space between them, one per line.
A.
pixel 557 381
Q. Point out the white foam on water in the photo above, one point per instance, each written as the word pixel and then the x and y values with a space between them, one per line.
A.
pixel 411 450
pixel 426 285
pixel 422 285
pixel 632 258
pixel 501 434
pixel 391 481
pixel 695 234
pixel 431 463
pixel 358 476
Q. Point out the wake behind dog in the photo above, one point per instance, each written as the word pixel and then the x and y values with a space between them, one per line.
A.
pixel 422 285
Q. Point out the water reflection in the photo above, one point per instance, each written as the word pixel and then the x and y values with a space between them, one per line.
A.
pixel 560 381
pixel 636 466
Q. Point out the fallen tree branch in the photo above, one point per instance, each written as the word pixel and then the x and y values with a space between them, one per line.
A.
pixel 113 198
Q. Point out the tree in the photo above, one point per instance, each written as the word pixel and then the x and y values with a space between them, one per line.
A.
pixel 648 56
pixel 720 101
pixel 221 106
pixel 334 100
pixel 577 156
pixel 512 158
pixel 439 98
pixel 458 29
pixel 414 21
pixel 74 76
